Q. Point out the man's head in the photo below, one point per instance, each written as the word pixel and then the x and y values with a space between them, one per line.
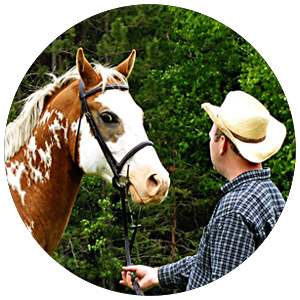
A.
pixel 248 125
pixel 225 156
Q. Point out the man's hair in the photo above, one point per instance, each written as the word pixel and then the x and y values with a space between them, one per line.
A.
pixel 219 134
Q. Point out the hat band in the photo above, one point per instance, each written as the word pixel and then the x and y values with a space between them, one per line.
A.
pixel 246 140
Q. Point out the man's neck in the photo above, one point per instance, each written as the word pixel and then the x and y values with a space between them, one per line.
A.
pixel 240 166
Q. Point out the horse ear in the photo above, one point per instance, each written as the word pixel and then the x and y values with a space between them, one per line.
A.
pixel 88 75
pixel 126 66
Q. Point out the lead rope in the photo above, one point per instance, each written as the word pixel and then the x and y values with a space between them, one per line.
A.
pixel 123 189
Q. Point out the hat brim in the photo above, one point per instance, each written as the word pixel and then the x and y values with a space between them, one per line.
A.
pixel 254 152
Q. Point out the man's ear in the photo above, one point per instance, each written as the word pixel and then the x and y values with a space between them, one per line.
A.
pixel 223 144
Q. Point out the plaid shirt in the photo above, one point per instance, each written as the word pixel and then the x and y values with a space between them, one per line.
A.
pixel 241 221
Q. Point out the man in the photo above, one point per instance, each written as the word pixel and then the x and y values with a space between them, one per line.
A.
pixel 243 135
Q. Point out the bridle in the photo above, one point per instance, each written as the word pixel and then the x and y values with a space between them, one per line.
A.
pixel 115 167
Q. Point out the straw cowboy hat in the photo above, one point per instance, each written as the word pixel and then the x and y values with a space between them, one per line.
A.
pixel 249 125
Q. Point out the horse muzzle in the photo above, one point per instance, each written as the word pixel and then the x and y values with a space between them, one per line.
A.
pixel 152 190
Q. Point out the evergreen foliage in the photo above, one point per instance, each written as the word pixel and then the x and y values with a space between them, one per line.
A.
pixel 183 59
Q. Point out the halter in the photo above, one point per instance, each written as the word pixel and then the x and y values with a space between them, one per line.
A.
pixel 115 167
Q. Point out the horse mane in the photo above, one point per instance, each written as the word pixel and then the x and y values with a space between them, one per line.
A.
pixel 19 130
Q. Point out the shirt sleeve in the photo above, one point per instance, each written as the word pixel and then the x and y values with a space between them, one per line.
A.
pixel 176 275
pixel 231 243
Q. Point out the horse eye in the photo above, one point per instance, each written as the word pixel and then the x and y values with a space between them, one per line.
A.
pixel 107 117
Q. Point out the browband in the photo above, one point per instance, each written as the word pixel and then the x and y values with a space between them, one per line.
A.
pixel 83 94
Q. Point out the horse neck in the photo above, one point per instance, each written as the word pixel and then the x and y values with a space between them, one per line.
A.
pixel 44 180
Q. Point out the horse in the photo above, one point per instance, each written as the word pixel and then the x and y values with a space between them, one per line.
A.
pixel 51 144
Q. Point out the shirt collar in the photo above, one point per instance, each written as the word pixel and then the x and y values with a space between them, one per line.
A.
pixel 261 174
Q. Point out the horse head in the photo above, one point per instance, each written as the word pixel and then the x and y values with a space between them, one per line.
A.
pixel 120 122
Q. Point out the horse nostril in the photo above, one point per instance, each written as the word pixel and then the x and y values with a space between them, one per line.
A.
pixel 153 180
pixel 153 184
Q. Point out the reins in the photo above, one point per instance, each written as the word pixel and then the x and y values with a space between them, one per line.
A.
pixel 116 167
pixel 128 246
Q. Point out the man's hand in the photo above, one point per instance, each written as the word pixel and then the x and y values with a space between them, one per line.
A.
pixel 147 277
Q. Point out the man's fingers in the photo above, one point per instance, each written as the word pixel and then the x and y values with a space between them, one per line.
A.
pixel 126 279
pixel 146 277
pixel 132 268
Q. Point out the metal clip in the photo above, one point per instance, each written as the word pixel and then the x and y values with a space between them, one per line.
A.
pixel 122 182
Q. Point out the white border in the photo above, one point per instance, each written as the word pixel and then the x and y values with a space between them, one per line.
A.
pixel 27 27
